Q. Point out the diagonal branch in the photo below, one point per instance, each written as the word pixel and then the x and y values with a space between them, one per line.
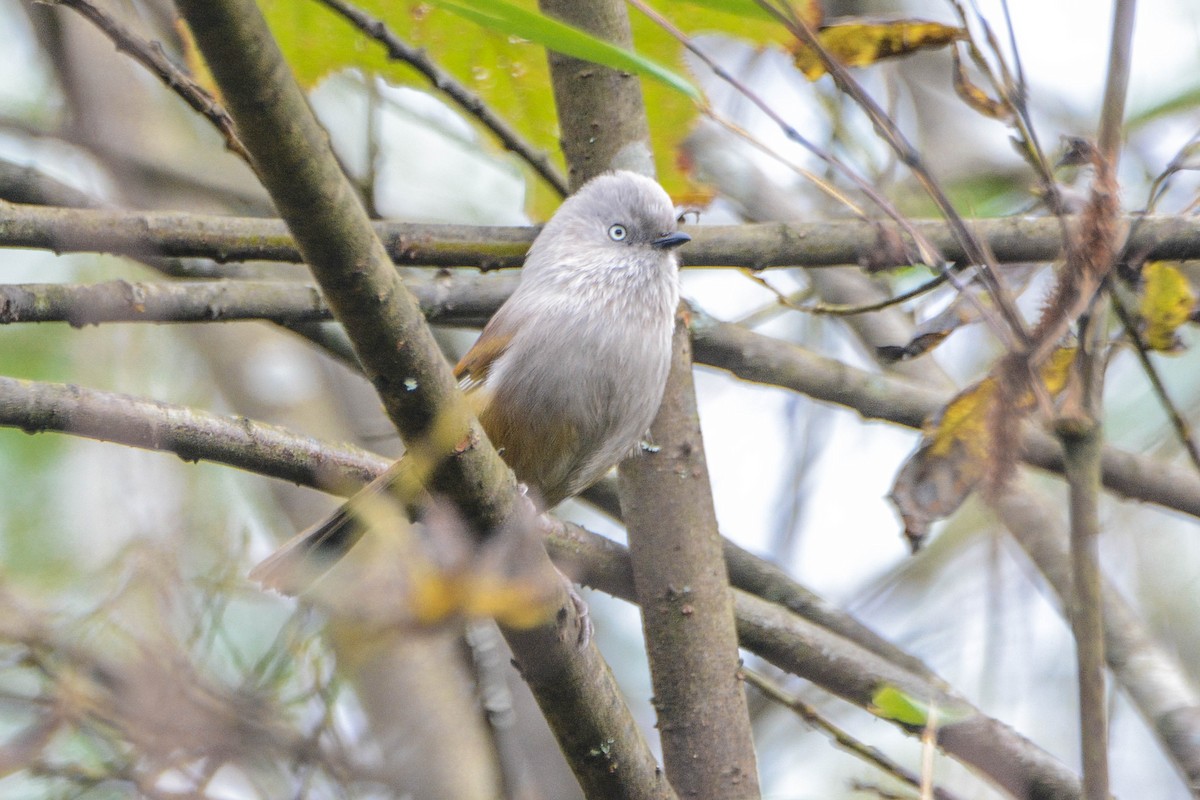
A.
pixel 151 56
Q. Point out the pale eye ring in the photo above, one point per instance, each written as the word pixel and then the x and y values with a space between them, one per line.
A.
pixel 617 233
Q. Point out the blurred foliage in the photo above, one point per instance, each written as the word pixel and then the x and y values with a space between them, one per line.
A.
pixel 1167 302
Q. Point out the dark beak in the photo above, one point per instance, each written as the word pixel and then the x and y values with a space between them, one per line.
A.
pixel 671 240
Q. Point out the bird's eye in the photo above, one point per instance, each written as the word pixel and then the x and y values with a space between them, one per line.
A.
pixel 617 233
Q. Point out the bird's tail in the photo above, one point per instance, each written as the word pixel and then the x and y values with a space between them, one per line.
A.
pixel 308 555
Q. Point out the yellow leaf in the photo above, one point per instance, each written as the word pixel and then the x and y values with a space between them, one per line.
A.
pixel 859 43
pixel 1167 302
pixel 436 597
pixel 975 97
pixel 953 454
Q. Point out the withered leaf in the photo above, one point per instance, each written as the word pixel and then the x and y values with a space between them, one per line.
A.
pixel 858 43
pixel 975 97
pixel 952 456
pixel 1167 301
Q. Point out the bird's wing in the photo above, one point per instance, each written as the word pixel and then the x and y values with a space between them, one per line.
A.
pixel 472 370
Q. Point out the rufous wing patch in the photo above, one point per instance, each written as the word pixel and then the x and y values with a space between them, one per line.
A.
pixel 472 370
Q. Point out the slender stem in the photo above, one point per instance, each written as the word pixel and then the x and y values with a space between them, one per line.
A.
pixel 1081 447
pixel 840 737
pixel 1120 55
pixel 150 55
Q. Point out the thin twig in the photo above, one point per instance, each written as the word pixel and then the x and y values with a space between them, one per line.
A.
pixel 929 253
pixel 839 737
pixel 151 56
pixel 816 180
pixel 976 254
pixel 839 309
pixel 1012 90
pixel 1013 332
pixel 1080 426
pixel 447 84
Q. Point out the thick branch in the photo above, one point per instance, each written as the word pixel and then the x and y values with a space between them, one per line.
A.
pixel 761 246
pixel 35 407
pixel 294 160
pixel 600 110
pixel 687 608
pixel 683 586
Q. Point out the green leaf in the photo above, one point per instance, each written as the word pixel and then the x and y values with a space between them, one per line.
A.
pixel 516 21
pixel 892 703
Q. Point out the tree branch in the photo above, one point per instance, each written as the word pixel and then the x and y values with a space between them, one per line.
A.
pixel 150 55
pixel 463 301
pixel 36 407
pixel 683 587
pixel 761 246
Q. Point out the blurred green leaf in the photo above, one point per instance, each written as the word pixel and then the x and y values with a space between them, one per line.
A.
pixel 501 63
pixel 548 32
pixel 892 703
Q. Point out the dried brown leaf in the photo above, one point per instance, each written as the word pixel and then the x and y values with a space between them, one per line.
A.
pixel 859 43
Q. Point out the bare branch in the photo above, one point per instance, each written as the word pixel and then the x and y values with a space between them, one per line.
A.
pixel 188 433
pixel 151 56
pixel 748 355
pixel 760 246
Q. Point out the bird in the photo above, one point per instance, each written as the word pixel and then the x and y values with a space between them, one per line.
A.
pixel 566 376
